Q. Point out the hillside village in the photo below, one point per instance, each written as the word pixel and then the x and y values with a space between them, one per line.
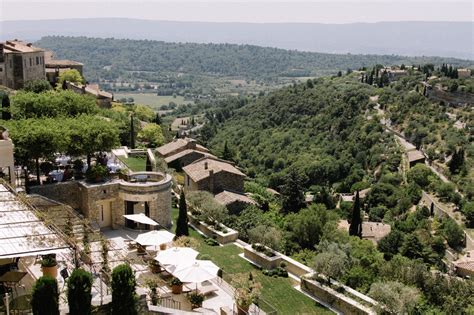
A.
pixel 219 219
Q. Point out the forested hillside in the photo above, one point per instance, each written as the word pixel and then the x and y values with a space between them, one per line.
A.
pixel 149 60
pixel 318 127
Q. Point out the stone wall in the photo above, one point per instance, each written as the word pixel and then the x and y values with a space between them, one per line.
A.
pixel 92 194
pixel 66 192
pixel 339 301
pixel 222 238
pixel 261 259
pixel 227 181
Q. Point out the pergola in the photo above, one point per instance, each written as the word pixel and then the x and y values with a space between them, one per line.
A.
pixel 22 232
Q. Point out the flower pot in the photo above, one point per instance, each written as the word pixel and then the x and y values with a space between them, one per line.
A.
pixel 155 268
pixel 162 246
pixel 177 288
pixel 242 309
pixel 50 271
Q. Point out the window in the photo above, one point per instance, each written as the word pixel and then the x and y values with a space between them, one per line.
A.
pixel 37 60
pixel 1 69
pixel 11 64
pixel 31 62
pixel 102 212
pixel 187 178
pixel 24 62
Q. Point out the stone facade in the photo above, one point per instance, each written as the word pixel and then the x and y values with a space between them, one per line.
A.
pixel 216 183
pixel 20 62
pixel 107 202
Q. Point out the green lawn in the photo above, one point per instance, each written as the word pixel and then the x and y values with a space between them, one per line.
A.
pixel 151 99
pixel 279 292
pixel 136 164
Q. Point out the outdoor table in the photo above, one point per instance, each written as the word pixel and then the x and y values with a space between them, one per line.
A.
pixel 113 167
pixel 63 160
pixel 11 278
pixel 57 175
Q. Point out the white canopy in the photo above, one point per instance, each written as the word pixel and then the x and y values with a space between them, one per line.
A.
pixel 176 255
pixel 154 238
pixel 140 218
pixel 197 272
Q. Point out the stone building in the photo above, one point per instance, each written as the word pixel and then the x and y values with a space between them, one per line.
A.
pixel 234 202
pixel 181 152
pixel 20 62
pixel 105 203
pixel 104 99
pixel 54 67
pixel 213 175
pixel 464 73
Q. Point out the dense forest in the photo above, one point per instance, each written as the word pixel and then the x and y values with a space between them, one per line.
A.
pixel 318 127
pixel 323 137
pixel 150 60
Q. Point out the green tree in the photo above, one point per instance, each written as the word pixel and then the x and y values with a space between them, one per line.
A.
pixel 453 233
pixel 45 296
pixel 79 296
pixel 333 262
pixel 355 228
pixel 144 113
pixel 390 244
pixel 6 111
pixel 71 75
pixel 292 194
pixel 396 297
pixel 35 139
pixel 468 211
pixel 411 247
pixel 152 135
pixel 37 86
pixel 182 222
pixel 420 174
pixel 226 154
pixel 456 164
pixel 123 291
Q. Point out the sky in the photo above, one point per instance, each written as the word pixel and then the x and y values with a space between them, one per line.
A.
pixel 258 11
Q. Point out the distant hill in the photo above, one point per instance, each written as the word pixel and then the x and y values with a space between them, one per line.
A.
pixel 447 39
pixel 149 60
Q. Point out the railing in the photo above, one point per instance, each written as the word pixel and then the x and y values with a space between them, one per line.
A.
pixel 169 303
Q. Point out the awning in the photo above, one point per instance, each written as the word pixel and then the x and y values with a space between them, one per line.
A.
pixel 140 218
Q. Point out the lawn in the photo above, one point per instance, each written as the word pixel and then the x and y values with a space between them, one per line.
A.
pixel 136 164
pixel 151 99
pixel 279 292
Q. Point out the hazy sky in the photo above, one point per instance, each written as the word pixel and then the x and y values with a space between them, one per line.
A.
pixel 260 11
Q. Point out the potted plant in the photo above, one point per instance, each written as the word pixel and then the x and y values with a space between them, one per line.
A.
pixel 152 285
pixel 97 173
pixel 247 291
pixel 196 299
pixel 176 286
pixel 162 246
pixel 49 265
pixel 154 266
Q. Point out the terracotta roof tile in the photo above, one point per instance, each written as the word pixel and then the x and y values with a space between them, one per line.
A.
pixel 198 171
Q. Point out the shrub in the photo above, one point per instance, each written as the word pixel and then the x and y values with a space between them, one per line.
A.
pixel 79 286
pixel 45 297
pixel 211 242
pixel 96 173
pixel 123 291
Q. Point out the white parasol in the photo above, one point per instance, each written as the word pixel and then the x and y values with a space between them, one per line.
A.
pixel 154 238
pixel 140 218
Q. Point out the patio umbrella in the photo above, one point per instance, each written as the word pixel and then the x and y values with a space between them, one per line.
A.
pixel 140 218
pixel 176 255
pixel 154 238
pixel 197 272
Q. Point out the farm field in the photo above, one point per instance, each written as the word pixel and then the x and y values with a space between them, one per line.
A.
pixel 152 99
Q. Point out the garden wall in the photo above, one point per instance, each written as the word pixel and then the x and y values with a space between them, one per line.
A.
pixel 65 192
pixel 261 259
pixel 337 300
pixel 220 237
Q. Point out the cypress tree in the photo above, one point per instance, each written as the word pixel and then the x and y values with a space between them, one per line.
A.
pixel 6 115
pixel 132 133
pixel 45 297
pixel 79 296
pixel 123 291
pixel 182 222
pixel 457 161
pixel 355 229
pixel 226 154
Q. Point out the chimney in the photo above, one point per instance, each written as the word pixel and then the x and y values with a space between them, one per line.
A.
pixel 29 44
pixel 211 181
pixel 206 165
